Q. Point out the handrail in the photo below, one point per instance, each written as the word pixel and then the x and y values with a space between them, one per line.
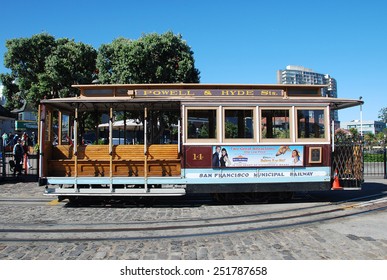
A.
pixel 145 149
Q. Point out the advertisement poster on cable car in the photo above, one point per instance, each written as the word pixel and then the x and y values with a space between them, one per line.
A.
pixel 244 156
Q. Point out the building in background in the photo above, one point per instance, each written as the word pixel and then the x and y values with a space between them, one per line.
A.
pixel 373 127
pixel 301 75
pixel 7 119
pixel 19 120
pixel 26 119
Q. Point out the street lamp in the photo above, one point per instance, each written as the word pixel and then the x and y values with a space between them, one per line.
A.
pixel 384 156
pixel 361 118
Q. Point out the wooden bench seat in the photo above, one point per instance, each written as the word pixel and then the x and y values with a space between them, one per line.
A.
pixel 128 161
pixel 62 152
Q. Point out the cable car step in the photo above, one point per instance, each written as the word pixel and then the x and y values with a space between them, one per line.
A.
pixel 115 191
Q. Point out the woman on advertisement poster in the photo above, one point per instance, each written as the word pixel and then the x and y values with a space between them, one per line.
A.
pixel 224 160
pixel 296 157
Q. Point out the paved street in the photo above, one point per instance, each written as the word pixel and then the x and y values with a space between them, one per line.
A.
pixel 31 228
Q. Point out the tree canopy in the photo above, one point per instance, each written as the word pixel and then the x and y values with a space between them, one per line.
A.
pixel 42 66
pixel 383 114
pixel 153 58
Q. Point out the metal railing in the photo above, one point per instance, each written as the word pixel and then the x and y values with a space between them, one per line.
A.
pixel 375 161
pixel 347 161
pixel 30 166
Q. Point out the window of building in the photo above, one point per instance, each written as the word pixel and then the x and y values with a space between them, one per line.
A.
pixel 275 124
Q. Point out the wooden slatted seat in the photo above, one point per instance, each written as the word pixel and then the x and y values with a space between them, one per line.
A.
pixel 93 152
pixel 128 152
pixel 62 152
pixel 128 161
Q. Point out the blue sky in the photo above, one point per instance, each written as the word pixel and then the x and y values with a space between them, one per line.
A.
pixel 233 41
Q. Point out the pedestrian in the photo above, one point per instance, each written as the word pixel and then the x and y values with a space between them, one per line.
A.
pixel 25 158
pixel 10 139
pixel 15 138
pixel 18 153
pixel 33 140
pixel 5 139
pixel 25 138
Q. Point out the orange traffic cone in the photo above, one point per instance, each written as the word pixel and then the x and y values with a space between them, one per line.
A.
pixel 336 182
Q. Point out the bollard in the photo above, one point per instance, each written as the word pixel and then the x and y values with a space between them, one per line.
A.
pixel 25 164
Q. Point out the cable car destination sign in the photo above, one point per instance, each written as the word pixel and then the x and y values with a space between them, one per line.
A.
pixel 208 92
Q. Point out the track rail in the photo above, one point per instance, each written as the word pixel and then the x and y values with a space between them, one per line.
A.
pixel 185 228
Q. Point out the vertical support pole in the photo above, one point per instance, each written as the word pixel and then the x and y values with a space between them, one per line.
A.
pixel 219 123
pixel 294 124
pixel 75 134
pixel 111 148
pixel 333 135
pixel 361 118
pixel 145 149
pixel 125 134
pixel 385 162
pixel 178 136
pixel 3 171
pixel 59 127
pixel 182 131
pixel 42 118
pixel 96 130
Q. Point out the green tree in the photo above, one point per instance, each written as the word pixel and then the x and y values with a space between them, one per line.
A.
pixel 369 139
pixel 153 58
pixel 383 114
pixel 42 66
pixel 379 136
pixel 70 63
pixel 355 133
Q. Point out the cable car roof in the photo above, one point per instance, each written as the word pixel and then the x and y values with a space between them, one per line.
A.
pixel 170 96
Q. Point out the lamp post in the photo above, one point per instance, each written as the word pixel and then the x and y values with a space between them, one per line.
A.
pixel 361 118
pixel 384 157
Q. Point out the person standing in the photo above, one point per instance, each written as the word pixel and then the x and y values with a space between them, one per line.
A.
pixel 15 138
pixel 33 140
pixel 5 139
pixel 18 153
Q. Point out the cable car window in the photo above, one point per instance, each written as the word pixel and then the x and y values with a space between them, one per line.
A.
pixel 201 123
pixel 275 124
pixel 310 123
pixel 239 124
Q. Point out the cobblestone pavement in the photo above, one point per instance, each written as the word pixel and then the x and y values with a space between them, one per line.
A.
pixel 357 237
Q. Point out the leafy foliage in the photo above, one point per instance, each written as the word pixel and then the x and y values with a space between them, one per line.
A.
pixel 383 114
pixel 42 66
pixel 45 67
pixel 153 58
